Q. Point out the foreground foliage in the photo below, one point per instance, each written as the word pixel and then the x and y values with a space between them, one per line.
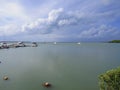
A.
pixel 110 80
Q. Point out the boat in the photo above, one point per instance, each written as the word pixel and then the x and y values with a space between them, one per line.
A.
pixel 78 43
pixel 55 43
pixel 34 44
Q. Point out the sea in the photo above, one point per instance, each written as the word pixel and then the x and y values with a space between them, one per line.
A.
pixel 66 66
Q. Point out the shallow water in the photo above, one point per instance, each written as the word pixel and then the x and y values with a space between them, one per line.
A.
pixel 67 66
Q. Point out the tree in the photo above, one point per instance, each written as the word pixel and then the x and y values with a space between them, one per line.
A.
pixel 114 41
pixel 110 80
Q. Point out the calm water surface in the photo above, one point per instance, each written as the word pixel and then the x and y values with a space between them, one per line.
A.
pixel 67 66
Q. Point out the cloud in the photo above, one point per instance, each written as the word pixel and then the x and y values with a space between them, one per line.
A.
pixel 102 31
pixel 46 25
pixel 108 2
pixel 12 9
pixel 56 19
pixel 8 30
pixel 61 25
pixel 12 16
pixel 97 19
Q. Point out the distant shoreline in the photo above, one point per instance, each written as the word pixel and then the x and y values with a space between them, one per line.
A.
pixel 114 41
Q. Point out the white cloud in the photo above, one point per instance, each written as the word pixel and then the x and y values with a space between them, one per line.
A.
pixel 7 30
pixel 12 9
pixel 58 23
pixel 43 25
pixel 100 31
pixel 12 16
pixel 56 18
pixel 55 14
pixel 70 21
pixel 61 24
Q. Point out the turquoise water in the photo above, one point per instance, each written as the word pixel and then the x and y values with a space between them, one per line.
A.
pixel 67 66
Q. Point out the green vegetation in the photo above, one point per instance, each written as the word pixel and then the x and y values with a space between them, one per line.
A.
pixel 114 41
pixel 110 80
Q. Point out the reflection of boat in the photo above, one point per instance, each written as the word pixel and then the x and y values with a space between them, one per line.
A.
pixel 78 43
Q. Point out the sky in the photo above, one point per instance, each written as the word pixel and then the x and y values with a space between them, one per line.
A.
pixel 59 20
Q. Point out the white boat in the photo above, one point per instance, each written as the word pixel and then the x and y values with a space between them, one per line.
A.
pixel 78 43
pixel 55 43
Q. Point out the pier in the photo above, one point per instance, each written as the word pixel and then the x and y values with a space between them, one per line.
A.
pixel 4 45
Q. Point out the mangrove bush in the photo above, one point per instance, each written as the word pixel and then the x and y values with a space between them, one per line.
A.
pixel 110 80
